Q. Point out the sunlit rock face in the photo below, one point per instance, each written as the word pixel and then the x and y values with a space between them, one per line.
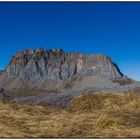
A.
pixel 39 65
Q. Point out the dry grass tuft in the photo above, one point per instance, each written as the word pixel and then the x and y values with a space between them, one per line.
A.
pixel 92 115
pixel 104 101
pixel 105 121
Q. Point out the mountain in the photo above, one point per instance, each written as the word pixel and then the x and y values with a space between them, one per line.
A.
pixel 56 77
pixel 40 65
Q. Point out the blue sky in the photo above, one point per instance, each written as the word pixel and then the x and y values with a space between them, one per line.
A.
pixel 109 28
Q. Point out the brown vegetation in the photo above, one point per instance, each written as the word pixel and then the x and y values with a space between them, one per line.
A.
pixel 93 115
pixel 123 81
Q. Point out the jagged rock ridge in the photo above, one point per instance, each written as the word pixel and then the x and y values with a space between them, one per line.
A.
pixel 39 65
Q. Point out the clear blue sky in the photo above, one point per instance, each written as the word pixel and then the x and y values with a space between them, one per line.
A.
pixel 109 28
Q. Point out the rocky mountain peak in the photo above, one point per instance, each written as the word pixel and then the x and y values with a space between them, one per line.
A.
pixel 39 65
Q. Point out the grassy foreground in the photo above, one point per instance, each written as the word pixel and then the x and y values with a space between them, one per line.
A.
pixel 92 115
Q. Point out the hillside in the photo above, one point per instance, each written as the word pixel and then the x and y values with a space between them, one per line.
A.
pixel 56 77
pixel 91 115
pixel 63 95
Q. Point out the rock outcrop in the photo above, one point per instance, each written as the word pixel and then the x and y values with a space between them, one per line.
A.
pixel 40 65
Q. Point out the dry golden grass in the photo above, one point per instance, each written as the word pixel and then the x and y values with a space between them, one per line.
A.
pixel 92 115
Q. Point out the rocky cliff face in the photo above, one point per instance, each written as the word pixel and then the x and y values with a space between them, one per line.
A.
pixel 39 65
